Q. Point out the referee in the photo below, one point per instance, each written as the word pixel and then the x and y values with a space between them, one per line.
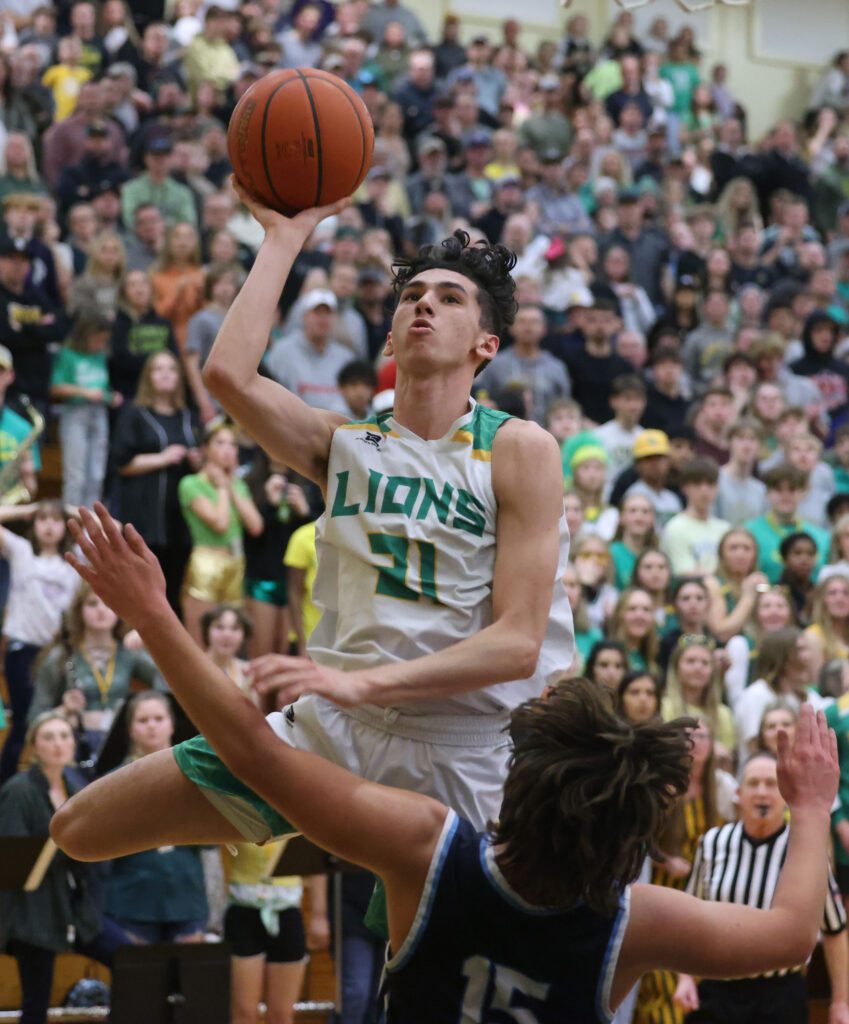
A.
pixel 739 863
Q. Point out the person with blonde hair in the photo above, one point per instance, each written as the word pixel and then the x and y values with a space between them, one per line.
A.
pixel 86 673
pixel 137 333
pixel 737 207
pixel 218 509
pixel 772 610
pixel 734 587
pixel 633 625
pixel 178 279
pixel 19 171
pixel 61 914
pixel 694 687
pixel 829 629
pixel 99 286
pixel 837 563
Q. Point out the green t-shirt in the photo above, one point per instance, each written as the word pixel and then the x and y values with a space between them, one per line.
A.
pixel 585 641
pixel 841 479
pixel 769 534
pixel 14 429
pixel 683 78
pixel 196 485
pixel 82 369
pixel 624 561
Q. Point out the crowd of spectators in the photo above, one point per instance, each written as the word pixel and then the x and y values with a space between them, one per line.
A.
pixel 682 330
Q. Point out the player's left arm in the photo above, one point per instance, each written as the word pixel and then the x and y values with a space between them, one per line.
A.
pixel 527 478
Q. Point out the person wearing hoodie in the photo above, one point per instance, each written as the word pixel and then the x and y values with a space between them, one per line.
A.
pixel 831 375
pixel 137 333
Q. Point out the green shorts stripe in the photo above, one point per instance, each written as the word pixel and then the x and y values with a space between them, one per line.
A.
pixel 254 818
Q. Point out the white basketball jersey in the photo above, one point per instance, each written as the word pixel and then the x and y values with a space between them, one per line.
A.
pixel 406 552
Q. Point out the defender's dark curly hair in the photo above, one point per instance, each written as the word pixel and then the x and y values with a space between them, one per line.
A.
pixel 488 266
pixel 586 796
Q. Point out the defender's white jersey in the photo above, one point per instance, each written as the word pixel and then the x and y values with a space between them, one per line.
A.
pixel 406 552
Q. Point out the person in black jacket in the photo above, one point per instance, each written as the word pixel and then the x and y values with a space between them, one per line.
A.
pixel 831 375
pixel 27 323
pixel 138 333
pixel 153 447
pixel 666 406
pixel 61 913
pixel 97 171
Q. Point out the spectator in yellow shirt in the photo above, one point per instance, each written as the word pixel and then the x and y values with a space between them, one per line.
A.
pixel 209 56
pixel 302 562
pixel 66 78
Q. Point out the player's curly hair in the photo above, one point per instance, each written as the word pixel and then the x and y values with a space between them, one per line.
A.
pixel 487 265
pixel 585 797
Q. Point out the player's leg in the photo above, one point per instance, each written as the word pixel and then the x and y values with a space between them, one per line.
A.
pixel 146 804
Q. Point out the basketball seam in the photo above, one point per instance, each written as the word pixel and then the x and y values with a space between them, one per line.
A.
pixel 279 198
pixel 318 154
pixel 363 147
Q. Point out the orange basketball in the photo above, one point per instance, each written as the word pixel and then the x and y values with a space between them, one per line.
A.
pixel 300 138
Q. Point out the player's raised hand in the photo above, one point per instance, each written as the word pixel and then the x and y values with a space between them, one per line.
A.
pixel 808 772
pixel 287 678
pixel 304 222
pixel 119 566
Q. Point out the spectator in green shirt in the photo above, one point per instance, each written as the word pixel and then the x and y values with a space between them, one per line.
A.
pixel 218 508
pixel 683 75
pixel 80 380
pixel 785 488
pixel 155 186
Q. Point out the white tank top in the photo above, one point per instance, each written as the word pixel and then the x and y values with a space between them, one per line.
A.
pixel 406 551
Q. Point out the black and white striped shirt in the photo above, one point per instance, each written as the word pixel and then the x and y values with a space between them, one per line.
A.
pixel 731 867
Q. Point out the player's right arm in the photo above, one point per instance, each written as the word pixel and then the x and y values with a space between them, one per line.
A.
pixel 682 933
pixel 288 429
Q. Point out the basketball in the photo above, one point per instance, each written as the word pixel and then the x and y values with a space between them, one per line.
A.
pixel 299 138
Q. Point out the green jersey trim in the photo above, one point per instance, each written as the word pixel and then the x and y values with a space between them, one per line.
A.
pixel 485 424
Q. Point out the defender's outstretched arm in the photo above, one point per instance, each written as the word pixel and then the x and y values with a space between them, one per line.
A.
pixel 389 831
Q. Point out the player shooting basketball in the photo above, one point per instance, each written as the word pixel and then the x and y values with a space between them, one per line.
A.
pixel 440 556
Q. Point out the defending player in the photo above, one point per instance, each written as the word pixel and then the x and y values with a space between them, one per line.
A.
pixel 536 920
pixel 441 552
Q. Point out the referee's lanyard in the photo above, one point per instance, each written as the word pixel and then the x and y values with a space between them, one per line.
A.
pixel 104 680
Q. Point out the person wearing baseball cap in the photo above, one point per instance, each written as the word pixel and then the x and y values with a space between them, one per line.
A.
pixel 308 359
pixel 651 464
pixel 28 323
pixel 97 169
pixel 549 128
pixel 156 186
